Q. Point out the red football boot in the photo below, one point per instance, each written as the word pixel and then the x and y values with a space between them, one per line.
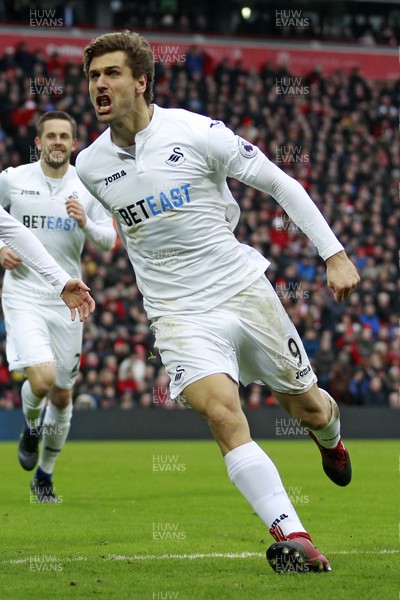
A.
pixel 297 554
pixel 335 462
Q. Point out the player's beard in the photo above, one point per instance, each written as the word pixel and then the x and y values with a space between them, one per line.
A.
pixel 54 164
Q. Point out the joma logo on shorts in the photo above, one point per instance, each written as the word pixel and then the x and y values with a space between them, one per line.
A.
pixel 303 372
pixel 114 177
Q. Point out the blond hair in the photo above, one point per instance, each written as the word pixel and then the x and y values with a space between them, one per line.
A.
pixel 55 114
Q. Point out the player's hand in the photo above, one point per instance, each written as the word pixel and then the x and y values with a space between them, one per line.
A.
pixel 342 276
pixel 8 258
pixel 76 211
pixel 76 296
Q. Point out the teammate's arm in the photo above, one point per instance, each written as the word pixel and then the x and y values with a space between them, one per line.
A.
pixel 74 292
pixel 96 224
pixel 8 258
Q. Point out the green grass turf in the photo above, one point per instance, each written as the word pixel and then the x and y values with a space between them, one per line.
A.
pixel 116 504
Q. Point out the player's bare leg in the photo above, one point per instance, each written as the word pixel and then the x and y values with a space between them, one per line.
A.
pixel 216 398
pixel 318 412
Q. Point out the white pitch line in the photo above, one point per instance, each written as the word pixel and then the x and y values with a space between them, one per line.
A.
pixel 197 556
pixel 42 558
pixel 231 555
pixel 184 556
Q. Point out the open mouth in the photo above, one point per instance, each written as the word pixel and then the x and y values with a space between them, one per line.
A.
pixel 103 104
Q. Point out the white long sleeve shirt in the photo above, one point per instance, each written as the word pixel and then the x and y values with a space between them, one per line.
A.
pixel 176 215
pixel 38 202
pixel 21 241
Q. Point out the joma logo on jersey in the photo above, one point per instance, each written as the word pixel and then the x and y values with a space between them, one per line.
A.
pixel 176 158
pixel 30 192
pixel 114 177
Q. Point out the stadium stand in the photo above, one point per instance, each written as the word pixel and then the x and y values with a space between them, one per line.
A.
pixel 362 22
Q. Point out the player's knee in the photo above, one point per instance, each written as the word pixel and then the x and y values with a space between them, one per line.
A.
pixel 41 383
pixel 61 398
pixel 221 414
pixel 314 419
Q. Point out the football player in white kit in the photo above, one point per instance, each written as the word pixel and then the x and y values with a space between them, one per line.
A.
pixel 216 318
pixel 48 198
pixel 74 292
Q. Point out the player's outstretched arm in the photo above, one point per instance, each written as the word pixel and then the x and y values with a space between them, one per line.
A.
pixel 24 247
pixel 76 296
pixel 342 276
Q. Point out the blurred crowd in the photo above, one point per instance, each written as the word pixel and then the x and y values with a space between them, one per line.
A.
pixel 359 22
pixel 336 134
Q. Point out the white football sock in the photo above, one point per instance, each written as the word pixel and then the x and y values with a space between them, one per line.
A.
pixel 257 478
pixel 32 405
pixel 329 435
pixel 56 426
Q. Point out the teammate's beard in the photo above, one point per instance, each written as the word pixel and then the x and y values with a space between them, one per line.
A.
pixel 54 164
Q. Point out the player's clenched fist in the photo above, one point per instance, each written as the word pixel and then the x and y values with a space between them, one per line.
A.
pixel 342 276
pixel 8 258
pixel 76 211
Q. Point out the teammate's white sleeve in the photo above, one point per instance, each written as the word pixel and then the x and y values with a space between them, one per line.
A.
pixel 24 243
pixel 244 161
pixel 101 235
pixel 4 188
pixel 4 194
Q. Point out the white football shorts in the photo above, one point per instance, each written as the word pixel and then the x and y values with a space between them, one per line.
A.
pixel 250 337
pixel 38 334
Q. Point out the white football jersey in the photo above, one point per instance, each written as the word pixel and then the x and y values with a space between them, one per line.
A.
pixel 21 241
pixel 174 211
pixel 38 202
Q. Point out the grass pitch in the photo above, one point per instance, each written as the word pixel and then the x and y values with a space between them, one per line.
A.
pixel 157 520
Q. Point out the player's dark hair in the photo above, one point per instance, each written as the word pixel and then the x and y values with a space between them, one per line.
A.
pixel 56 114
pixel 139 55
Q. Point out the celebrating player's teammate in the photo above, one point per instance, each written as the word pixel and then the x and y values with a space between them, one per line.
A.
pixel 74 292
pixel 48 198
pixel 216 318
